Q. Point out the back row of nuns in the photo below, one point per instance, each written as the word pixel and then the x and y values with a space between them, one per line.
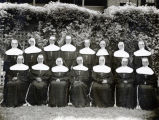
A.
pixel 51 76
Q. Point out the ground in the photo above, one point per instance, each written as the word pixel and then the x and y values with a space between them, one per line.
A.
pixel 72 113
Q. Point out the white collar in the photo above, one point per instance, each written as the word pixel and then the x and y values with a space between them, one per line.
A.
pixel 32 49
pixel 80 67
pixel 101 68
pixel 124 69
pixel 145 70
pixel 14 51
pixel 121 53
pixel 20 67
pixel 60 68
pixel 142 52
pixel 51 47
pixel 102 52
pixel 87 50
pixel 40 66
pixel 68 47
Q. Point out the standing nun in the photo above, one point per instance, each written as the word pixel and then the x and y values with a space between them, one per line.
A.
pixel 79 87
pixel 31 53
pixel 125 88
pixel 147 80
pixel 18 83
pixel 11 58
pixel 58 89
pixel 39 75
pixel 52 52
pixel 103 52
pixel 102 91
pixel 68 52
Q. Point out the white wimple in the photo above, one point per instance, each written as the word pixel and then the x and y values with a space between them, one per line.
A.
pixel 80 67
pixel 124 69
pixel 20 67
pixel 14 51
pixel 102 52
pixel 101 69
pixel 60 68
pixel 145 70
pixel 142 52
pixel 40 66
pixel 121 53
pixel 51 47
pixel 87 51
pixel 68 47
pixel 32 49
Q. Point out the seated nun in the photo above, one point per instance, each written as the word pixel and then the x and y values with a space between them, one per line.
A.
pixel 18 83
pixel 125 87
pixel 58 89
pixel 79 84
pixel 102 89
pixel 103 52
pixel 88 55
pixel 146 90
pixel 31 53
pixel 52 51
pixel 119 54
pixel 39 77
pixel 9 60
pixel 68 52
pixel 139 54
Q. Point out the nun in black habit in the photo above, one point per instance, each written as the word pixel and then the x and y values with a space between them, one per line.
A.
pixel 59 83
pixel 39 77
pixel 102 89
pixel 79 84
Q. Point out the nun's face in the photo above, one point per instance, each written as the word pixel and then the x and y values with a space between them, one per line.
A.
pixel 59 62
pixel 101 61
pixel 141 45
pixel 68 40
pixel 87 43
pixel 52 41
pixel 19 60
pixel 79 60
pixel 31 42
pixel 102 44
pixel 124 62
pixel 121 45
pixel 40 59
pixel 145 62
pixel 14 45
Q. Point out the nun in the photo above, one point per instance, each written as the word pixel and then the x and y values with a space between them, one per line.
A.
pixel 103 52
pixel 10 59
pixel 102 89
pixel 139 54
pixel 17 84
pixel 79 84
pixel 119 54
pixel 68 52
pixel 58 88
pixel 39 77
pixel 147 85
pixel 125 87
pixel 52 52
pixel 31 53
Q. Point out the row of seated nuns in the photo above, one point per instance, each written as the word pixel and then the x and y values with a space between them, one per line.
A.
pixel 58 76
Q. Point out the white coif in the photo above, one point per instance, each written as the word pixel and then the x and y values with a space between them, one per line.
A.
pixel 14 51
pixel 124 69
pixel 101 69
pixel 102 52
pixel 121 53
pixel 87 51
pixel 80 67
pixel 142 52
pixel 51 47
pixel 32 49
pixel 40 66
pixel 145 70
pixel 20 67
pixel 60 68
pixel 68 47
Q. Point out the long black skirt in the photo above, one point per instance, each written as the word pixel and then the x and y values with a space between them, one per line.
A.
pixel 147 97
pixel 37 94
pixel 16 91
pixel 79 94
pixel 58 94
pixel 102 95
pixel 126 95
